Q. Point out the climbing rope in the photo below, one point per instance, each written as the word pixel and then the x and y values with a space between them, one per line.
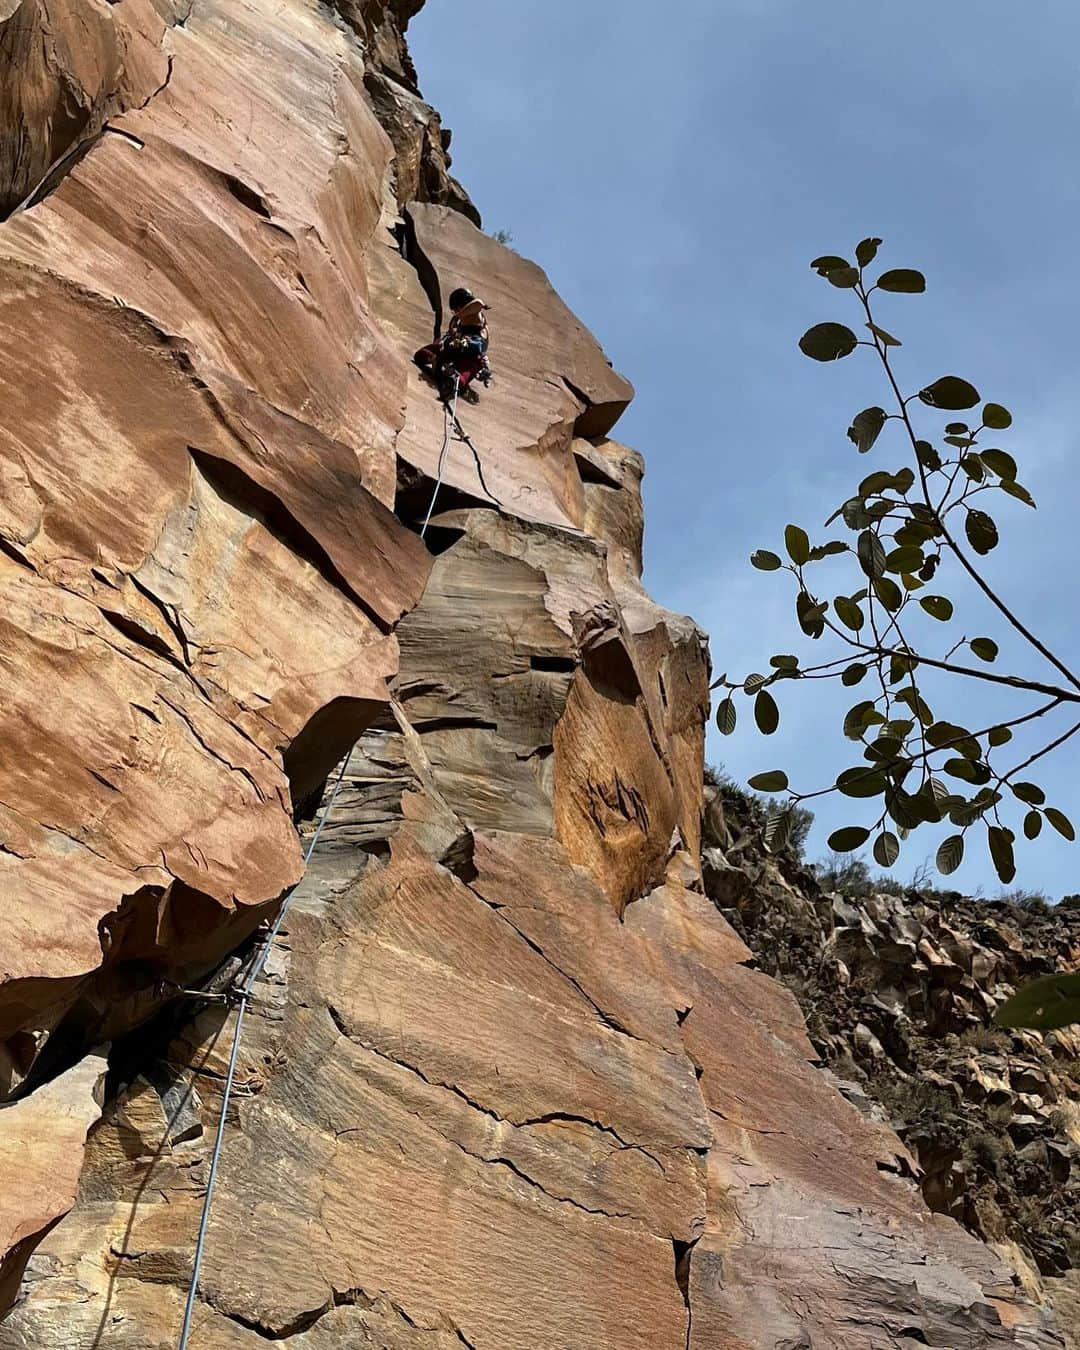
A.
pixel 449 419
pixel 243 997
pixel 476 456
pixel 243 994
pixel 453 424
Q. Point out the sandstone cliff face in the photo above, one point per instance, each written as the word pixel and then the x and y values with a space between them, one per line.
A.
pixel 511 1080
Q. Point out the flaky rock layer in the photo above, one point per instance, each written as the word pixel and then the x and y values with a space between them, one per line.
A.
pixel 511 1081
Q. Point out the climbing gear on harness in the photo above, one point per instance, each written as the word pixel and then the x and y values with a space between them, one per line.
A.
pixel 244 999
pixel 453 363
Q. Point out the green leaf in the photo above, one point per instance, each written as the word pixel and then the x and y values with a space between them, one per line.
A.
pixel 961 768
pixel 950 855
pixel 939 607
pixel 904 809
pixel 967 813
pixel 898 726
pixel 900 667
pixel 888 592
pixel 871 554
pixel 906 558
pixel 883 336
pixel 1001 853
pixel 866 251
pixel 928 457
pixel 926 802
pixel 810 614
pixel 844 277
pixel 1046 1004
pixel 914 532
pixel 798 545
pixel 886 849
pixel 903 281
pixel 1061 823
pixel 1029 792
pixel 848 839
pixel 948 734
pixel 1032 825
pixel 765 561
pixel 999 462
pixel 904 480
pixel 856 718
pixel 854 513
pixel 950 393
pixel 885 749
pixel 766 713
pixel 828 342
pixel 776 780
pixel 958 429
pixel 784 662
pixel 982 533
pixel 754 681
pixel 999 735
pixel 829 262
pixel 1017 490
pixel 853 674
pixel 972 465
pixel 996 417
pixel 726 717
pixel 849 613
pixel 831 549
pixel 876 482
pixel 986 649
pixel 866 428
pixel 777 831
pixel 917 704
pixel 861 781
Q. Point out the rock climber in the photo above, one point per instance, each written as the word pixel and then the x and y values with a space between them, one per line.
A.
pixel 460 356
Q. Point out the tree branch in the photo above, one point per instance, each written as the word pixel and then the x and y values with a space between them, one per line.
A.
pixel 961 557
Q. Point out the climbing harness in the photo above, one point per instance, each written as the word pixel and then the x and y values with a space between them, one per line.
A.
pixel 453 424
pixel 243 998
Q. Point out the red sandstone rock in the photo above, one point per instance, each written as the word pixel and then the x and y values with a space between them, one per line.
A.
pixel 509 1081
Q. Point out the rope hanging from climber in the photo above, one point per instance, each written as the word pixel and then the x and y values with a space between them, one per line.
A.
pixel 453 362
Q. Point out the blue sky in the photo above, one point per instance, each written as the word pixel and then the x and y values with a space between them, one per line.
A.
pixel 675 171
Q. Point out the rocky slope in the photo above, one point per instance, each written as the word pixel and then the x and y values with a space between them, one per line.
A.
pixel 899 992
pixel 511 1079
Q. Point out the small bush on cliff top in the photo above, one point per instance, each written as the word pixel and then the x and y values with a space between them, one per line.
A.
pixel 851 877
pixel 1035 902
pixel 797 826
pixel 911 530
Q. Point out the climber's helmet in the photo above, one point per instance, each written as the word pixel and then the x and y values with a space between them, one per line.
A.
pixel 460 298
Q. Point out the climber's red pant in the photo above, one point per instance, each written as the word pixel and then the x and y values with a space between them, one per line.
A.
pixel 467 364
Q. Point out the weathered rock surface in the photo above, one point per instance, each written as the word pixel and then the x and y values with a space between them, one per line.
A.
pixel 41 1153
pixel 900 990
pixel 510 1080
